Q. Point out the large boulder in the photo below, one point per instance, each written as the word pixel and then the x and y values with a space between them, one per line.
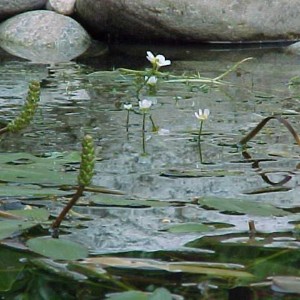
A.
pixel 12 7
pixel 294 48
pixel 64 7
pixel 43 36
pixel 193 20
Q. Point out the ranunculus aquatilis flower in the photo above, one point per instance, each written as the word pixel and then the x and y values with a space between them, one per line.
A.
pixel 151 80
pixel 202 116
pixel 128 106
pixel 158 60
pixel 145 104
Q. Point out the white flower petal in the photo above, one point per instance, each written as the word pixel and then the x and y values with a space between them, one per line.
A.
pixel 150 56
pixel 206 112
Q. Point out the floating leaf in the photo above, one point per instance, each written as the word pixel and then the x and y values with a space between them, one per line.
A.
pixel 161 294
pixel 241 206
pixel 35 214
pixel 27 168
pixel 130 295
pixel 150 264
pixel 189 227
pixel 114 201
pixel 57 248
pixel 10 227
pixel 200 173
pixel 31 191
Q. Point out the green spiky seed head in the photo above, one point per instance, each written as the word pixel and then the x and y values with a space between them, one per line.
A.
pixel 87 164
pixel 29 108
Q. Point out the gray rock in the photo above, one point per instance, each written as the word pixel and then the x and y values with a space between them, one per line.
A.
pixel 193 20
pixel 294 48
pixel 64 7
pixel 43 36
pixel 12 7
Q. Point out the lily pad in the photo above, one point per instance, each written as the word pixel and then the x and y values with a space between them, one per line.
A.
pixel 27 168
pixel 29 191
pixel 189 227
pixel 241 206
pixel 35 214
pixel 57 248
pixel 177 267
pixel 199 173
pixel 10 227
pixel 123 202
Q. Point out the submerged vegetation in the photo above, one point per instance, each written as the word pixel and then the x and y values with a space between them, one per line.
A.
pixel 219 258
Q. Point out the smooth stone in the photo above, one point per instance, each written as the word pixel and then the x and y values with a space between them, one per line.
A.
pixel 192 20
pixel 43 37
pixel 64 7
pixel 10 8
pixel 294 48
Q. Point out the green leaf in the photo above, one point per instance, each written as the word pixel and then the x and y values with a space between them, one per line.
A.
pixel 35 214
pixel 160 294
pixel 27 168
pixel 10 267
pixel 191 173
pixel 189 227
pixel 114 201
pixel 57 248
pixel 10 227
pixel 30 191
pixel 131 295
pixel 241 206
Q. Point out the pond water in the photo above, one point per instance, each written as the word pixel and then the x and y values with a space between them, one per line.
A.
pixel 223 190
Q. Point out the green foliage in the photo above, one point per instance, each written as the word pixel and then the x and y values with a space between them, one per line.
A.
pixel 57 248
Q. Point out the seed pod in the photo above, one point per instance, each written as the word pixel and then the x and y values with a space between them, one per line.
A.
pixel 29 108
pixel 87 164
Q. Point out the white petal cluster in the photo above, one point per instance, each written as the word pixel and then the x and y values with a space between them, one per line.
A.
pixel 128 106
pixel 202 115
pixel 158 60
pixel 145 105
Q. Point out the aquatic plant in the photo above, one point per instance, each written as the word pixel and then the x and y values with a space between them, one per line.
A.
pixel 201 116
pixel 127 107
pixel 157 61
pixel 86 173
pixel 26 115
pixel 144 106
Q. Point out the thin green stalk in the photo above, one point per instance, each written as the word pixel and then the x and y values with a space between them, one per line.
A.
pixel 154 127
pixel 127 121
pixel 143 133
pixel 199 141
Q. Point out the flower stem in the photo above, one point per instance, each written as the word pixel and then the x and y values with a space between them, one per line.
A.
pixel 127 121
pixel 143 133
pixel 154 127
pixel 199 141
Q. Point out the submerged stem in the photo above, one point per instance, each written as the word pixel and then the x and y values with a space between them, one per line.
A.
pixel 154 127
pixel 199 141
pixel 143 133
pixel 127 120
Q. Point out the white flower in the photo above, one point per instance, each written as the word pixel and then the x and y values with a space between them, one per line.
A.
pixel 145 105
pixel 151 80
pixel 128 106
pixel 202 116
pixel 158 60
